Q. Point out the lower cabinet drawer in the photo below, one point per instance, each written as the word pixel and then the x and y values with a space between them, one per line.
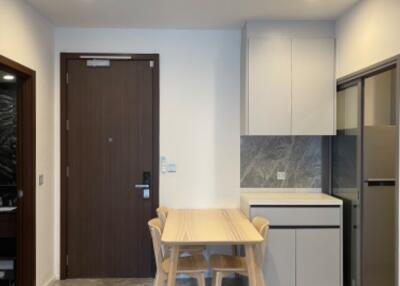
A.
pixel 299 216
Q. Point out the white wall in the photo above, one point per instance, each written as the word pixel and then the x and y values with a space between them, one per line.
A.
pixel 27 38
pixel 199 99
pixel 367 34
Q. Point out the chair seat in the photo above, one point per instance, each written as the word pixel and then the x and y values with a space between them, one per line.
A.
pixel 188 264
pixel 228 263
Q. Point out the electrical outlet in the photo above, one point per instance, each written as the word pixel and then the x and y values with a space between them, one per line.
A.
pixel 41 180
pixel 281 176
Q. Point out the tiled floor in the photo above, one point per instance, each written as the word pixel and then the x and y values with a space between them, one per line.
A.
pixel 136 282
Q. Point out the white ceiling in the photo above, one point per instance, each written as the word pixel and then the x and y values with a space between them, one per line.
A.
pixel 214 14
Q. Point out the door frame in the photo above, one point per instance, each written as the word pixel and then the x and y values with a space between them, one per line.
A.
pixel 382 66
pixel 64 57
pixel 358 82
pixel 26 170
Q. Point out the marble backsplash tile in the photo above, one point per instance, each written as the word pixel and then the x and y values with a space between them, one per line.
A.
pixel 261 157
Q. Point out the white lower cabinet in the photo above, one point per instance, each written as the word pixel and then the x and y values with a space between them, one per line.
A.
pixel 303 257
pixel 304 246
pixel 280 258
pixel 317 257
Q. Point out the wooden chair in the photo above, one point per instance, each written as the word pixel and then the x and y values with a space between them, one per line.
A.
pixel 194 265
pixel 162 213
pixel 224 265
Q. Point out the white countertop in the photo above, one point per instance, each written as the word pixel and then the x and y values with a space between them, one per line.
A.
pixel 283 198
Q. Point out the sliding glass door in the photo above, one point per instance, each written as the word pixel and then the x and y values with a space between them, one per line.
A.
pixel 346 174
pixel 364 163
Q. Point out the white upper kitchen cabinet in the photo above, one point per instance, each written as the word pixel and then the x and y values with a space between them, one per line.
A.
pixel 313 87
pixel 288 79
pixel 269 87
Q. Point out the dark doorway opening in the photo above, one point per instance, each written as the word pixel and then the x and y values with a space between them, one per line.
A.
pixel 17 174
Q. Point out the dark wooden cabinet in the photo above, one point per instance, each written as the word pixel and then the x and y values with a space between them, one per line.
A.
pixel 8 247
pixel 8 223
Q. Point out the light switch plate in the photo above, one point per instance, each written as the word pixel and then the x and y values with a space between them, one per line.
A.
pixel 171 168
pixel 281 176
pixel 163 163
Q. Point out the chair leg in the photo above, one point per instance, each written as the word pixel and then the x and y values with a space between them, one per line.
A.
pixel 213 278
pixel 201 279
pixel 159 280
pixel 218 278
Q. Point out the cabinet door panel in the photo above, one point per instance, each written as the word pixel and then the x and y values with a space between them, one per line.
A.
pixel 279 264
pixel 318 257
pixel 313 80
pixel 269 86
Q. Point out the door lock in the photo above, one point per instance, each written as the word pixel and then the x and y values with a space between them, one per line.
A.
pixel 145 186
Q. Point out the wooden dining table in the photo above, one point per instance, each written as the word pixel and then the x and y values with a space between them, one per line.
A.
pixel 211 227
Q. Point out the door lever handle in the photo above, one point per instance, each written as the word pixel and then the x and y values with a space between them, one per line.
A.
pixel 142 186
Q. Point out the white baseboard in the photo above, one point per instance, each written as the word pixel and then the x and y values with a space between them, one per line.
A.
pixel 50 281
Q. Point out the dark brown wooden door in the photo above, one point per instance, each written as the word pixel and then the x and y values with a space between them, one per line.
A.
pixel 109 147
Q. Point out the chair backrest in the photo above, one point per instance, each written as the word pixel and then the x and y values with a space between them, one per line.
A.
pixel 262 226
pixel 155 227
pixel 162 213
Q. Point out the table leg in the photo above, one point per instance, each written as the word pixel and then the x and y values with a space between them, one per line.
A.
pixel 173 263
pixel 251 264
pixel 256 277
pixel 260 275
